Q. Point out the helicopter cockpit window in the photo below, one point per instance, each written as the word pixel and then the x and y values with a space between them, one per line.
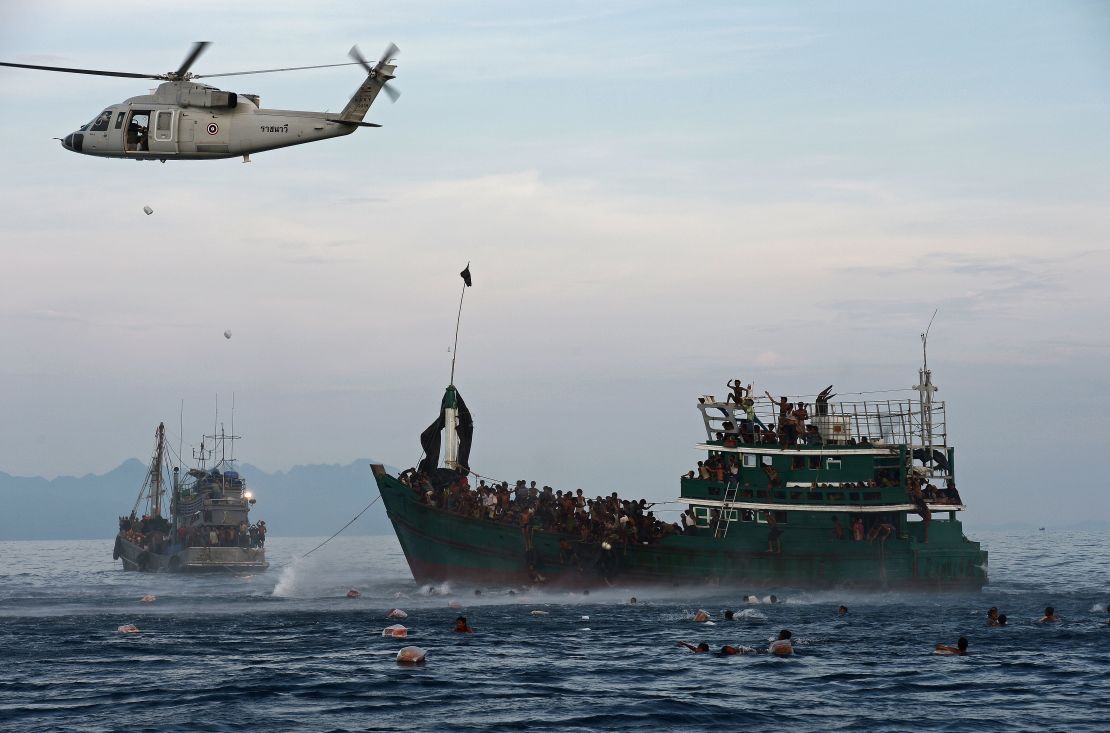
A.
pixel 100 124
pixel 119 120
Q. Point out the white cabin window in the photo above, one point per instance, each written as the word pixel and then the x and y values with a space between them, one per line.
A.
pixel 751 460
pixel 832 464
pixel 163 125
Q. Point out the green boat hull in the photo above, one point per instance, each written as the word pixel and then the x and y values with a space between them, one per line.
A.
pixel 444 546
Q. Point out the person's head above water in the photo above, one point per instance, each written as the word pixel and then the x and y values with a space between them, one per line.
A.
pixel 993 612
pixel 843 610
pixel 462 626
pixel 774 599
pixel 1049 611
pixel 1001 619
pixel 962 644
pixel 784 635
pixel 728 615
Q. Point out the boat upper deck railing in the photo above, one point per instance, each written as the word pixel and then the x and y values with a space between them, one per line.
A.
pixel 891 422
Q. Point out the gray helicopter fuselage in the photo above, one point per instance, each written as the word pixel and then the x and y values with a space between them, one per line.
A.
pixel 184 120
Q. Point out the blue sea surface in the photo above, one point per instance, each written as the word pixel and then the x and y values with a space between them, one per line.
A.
pixel 285 649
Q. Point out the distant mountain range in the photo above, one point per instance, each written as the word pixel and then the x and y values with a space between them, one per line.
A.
pixel 314 500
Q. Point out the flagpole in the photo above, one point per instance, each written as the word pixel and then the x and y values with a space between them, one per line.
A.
pixel 458 320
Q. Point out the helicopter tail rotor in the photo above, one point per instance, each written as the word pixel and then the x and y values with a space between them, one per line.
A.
pixel 381 71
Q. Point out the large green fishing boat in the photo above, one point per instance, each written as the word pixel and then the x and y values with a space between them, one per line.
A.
pixel 857 494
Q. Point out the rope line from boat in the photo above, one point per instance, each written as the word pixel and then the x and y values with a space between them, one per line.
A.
pixel 348 524
pixel 329 539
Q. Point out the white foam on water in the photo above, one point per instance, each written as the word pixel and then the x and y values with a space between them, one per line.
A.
pixel 286 586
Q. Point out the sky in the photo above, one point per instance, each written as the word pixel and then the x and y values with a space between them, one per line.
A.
pixel 653 199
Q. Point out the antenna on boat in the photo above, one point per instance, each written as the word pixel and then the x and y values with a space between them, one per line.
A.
pixel 181 430
pixel 233 425
pixel 925 389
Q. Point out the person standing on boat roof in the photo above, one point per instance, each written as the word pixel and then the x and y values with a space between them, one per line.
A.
pixel 738 391
pixel 786 423
pixel 800 415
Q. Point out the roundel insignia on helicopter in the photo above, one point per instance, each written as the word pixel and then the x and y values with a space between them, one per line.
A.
pixel 213 128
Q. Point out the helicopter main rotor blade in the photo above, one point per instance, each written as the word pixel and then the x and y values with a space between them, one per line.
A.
pixel 194 54
pixel 268 71
pixel 94 72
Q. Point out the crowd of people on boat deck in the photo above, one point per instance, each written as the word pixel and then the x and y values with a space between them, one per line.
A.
pixel 156 534
pixel 600 519
pixel 790 429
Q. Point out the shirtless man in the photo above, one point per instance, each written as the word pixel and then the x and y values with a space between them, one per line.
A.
pixel 701 648
pixel 959 650
pixel 738 391
pixel 1050 616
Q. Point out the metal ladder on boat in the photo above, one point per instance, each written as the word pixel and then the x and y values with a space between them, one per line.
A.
pixel 719 531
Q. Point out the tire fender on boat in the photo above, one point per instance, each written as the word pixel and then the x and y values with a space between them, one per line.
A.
pixel 115 549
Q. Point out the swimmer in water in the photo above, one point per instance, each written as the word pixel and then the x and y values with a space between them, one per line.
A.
pixel 701 617
pixel 842 611
pixel 728 615
pixel 701 648
pixel 632 601
pixel 992 616
pixel 774 599
pixel 352 593
pixel 462 627
pixel 1050 616
pixel 782 646
pixel 1001 619
pixel 728 650
pixel 959 650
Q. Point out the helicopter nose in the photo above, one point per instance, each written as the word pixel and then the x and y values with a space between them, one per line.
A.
pixel 67 141
pixel 73 141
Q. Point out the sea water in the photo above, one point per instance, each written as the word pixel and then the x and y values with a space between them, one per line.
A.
pixel 285 649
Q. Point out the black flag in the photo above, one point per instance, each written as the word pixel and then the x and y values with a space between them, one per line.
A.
pixel 466 275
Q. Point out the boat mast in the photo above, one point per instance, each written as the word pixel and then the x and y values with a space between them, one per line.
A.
pixel 156 472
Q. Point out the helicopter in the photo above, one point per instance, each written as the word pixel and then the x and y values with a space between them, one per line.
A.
pixel 184 120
